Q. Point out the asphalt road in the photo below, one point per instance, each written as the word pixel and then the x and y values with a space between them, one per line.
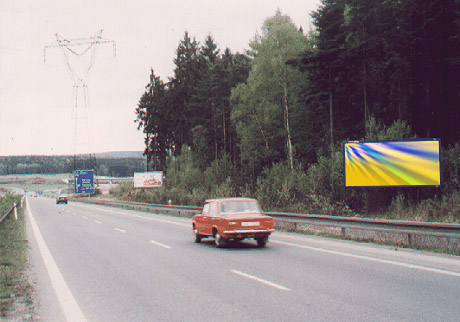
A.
pixel 96 263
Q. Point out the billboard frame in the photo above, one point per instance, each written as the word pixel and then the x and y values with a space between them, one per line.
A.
pixel 392 141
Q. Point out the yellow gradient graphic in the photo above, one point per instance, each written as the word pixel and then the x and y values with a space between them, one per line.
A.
pixel 392 163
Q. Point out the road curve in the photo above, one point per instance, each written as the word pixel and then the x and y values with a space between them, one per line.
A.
pixel 121 265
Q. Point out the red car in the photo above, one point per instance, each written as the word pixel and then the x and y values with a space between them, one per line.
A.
pixel 232 219
pixel 61 198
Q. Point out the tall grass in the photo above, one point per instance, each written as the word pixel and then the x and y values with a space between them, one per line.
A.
pixel 15 289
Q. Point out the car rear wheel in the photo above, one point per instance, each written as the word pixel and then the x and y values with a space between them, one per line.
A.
pixel 197 236
pixel 220 242
pixel 262 242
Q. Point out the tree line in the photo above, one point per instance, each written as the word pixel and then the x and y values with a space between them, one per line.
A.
pixel 116 167
pixel 369 69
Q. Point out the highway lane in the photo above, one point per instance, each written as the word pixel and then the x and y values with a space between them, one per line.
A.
pixel 122 265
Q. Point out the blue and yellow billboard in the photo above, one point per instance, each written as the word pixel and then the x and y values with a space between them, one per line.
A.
pixel 392 163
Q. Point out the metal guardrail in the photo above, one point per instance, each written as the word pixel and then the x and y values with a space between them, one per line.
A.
pixel 175 208
pixel 13 207
pixel 333 220
pixel 424 235
pixel 405 233
pixel 377 222
pixel 7 213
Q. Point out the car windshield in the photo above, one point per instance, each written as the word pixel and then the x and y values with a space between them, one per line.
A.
pixel 239 206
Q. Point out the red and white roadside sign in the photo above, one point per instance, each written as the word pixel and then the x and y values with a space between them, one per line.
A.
pixel 148 179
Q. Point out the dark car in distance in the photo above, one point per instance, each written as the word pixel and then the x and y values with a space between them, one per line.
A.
pixel 61 199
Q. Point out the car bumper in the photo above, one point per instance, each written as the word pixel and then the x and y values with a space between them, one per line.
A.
pixel 247 233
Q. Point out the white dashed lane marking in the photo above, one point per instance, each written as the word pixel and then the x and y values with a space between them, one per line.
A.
pixel 160 244
pixel 261 280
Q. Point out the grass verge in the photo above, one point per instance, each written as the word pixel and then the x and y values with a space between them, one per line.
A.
pixel 15 290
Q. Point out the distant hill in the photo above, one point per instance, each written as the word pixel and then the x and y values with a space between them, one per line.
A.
pixel 120 155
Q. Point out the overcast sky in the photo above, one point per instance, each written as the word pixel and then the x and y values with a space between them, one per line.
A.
pixel 37 100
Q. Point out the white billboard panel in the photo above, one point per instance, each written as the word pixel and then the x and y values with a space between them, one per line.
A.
pixel 148 179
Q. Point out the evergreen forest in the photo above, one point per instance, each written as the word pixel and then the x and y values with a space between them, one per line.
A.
pixel 270 122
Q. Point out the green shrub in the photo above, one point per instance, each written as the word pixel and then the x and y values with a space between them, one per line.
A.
pixel 318 204
pixel 221 172
pixel 225 189
pixel 122 190
pixel 281 188
pixel 398 204
pixel 450 168
pixel 445 209
pixel 376 130
pixel 325 178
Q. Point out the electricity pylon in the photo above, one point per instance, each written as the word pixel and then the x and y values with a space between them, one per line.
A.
pixel 79 56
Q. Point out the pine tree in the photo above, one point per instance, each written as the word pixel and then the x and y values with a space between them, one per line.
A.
pixel 152 115
pixel 187 74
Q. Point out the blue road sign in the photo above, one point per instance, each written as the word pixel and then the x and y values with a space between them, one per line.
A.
pixel 84 182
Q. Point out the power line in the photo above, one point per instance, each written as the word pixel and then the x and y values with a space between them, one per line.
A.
pixel 80 48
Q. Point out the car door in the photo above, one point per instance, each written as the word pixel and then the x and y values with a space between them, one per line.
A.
pixel 212 217
pixel 202 221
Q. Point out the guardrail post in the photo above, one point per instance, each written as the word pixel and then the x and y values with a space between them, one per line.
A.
pixel 343 233
pixel 410 240
pixel 15 212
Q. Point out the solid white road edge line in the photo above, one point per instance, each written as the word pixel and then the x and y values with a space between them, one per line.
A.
pixel 260 280
pixel 68 303
pixel 372 259
pixel 160 244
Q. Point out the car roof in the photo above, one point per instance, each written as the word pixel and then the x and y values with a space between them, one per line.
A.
pixel 231 199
